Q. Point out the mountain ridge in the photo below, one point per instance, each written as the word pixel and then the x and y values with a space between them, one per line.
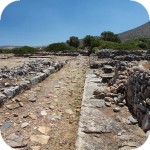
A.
pixel 142 31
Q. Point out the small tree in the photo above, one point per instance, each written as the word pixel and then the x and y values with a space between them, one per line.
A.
pixel 109 36
pixel 73 41
pixel 88 41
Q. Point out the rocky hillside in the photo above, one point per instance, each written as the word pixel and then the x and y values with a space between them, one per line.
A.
pixel 141 31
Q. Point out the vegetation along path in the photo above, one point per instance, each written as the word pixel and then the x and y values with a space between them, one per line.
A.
pixel 46 116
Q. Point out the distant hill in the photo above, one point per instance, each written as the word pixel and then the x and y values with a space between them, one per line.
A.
pixel 11 47
pixel 8 47
pixel 141 31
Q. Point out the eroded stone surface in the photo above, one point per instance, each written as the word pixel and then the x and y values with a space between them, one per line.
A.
pixel 94 121
pixel 41 139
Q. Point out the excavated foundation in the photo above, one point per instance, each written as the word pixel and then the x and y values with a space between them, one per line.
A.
pixel 115 110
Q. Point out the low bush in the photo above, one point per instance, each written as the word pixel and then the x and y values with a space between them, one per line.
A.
pixel 128 45
pixel 142 45
pixel 55 47
pixel 1 50
pixel 5 51
pixel 24 50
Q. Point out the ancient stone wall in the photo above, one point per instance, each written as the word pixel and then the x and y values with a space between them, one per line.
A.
pixel 137 93
pixel 60 53
pixel 104 112
pixel 133 85
pixel 124 55
pixel 71 53
pixel 23 77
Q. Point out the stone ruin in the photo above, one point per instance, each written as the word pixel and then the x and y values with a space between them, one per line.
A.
pixel 59 53
pixel 122 72
pixel 124 55
pixel 18 79
pixel 129 82
pixel 116 101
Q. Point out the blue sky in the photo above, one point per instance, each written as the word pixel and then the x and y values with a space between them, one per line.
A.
pixel 41 22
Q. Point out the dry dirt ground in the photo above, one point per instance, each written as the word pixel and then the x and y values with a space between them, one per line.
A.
pixel 50 108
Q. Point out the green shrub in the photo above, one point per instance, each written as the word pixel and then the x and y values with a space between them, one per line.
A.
pixel 6 51
pixel 24 50
pixel 95 49
pixel 109 40
pixel 81 47
pixel 129 45
pixel 55 47
pixel 142 45
pixel 1 50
